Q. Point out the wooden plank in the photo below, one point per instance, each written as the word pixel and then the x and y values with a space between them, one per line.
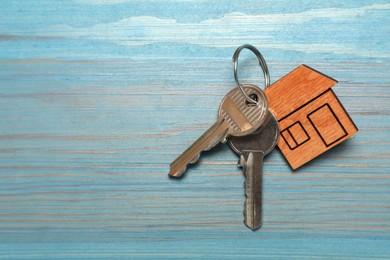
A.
pixel 98 97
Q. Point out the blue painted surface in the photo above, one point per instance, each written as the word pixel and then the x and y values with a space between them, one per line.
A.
pixel 98 97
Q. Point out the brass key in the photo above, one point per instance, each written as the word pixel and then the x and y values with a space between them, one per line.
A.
pixel 236 117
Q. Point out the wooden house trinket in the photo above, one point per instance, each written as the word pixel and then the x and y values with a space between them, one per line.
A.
pixel 311 118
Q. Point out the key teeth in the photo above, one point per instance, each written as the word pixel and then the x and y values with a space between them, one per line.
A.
pixel 215 140
pixel 194 160
pixel 213 144
pixel 241 161
pixel 246 199
pixel 179 173
pixel 207 148
pixel 247 223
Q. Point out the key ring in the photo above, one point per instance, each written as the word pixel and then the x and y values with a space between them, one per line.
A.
pixel 262 64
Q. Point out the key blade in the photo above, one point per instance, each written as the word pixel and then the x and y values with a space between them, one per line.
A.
pixel 215 134
pixel 252 167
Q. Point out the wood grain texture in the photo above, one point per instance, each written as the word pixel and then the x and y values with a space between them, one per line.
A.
pixel 311 118
pixel 98 97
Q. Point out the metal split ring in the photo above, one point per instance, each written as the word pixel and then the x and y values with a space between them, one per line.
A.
pixel 262 64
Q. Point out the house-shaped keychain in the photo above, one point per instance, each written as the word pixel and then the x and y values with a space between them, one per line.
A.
pixel 311 118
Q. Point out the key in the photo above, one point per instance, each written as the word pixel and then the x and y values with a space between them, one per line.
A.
pixel 252 149
pixel 236 117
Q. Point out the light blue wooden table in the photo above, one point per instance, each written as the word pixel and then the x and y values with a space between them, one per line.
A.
pixel 97 97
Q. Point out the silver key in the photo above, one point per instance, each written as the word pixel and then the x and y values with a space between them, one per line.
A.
pixel 252 149
pixel 235 118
